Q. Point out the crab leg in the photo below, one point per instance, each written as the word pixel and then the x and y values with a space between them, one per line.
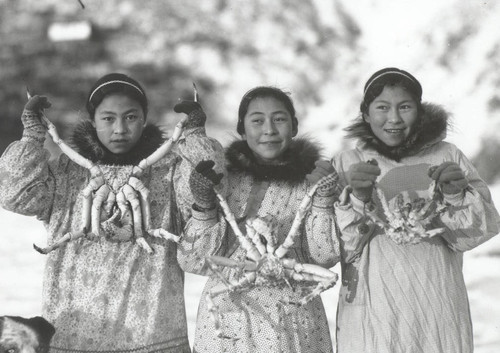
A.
pixel 162 150
pixel 246 244
pixel 66 238
pixel 303 208
pixel 100 197
pixel 255 237
pixel 146 212
pixel 131 197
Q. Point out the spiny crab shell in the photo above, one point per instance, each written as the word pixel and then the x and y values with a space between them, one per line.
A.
pixel 408 221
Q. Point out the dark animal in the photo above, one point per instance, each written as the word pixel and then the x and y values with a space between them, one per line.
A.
pixel 21 335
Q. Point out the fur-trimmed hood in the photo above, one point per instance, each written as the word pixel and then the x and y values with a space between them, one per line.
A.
pixel 86 142
pixel 430 129
pixel 298 161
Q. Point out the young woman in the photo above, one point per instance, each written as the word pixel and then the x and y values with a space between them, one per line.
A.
pixel 108 294
pixel 266 177
pixel 401 291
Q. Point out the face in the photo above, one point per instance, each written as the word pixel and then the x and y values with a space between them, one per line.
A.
pixel 392 115
pixel 119 121
pixel 268 129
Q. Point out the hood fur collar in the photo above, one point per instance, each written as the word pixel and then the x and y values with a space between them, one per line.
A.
pixel 85 141
pixel 298 161
pixel 430 129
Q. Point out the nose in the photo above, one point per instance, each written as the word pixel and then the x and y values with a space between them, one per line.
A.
pixel 120 126
pixel 394 116
pixel 269 127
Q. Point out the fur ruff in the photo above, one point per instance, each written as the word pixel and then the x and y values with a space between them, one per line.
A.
pixel 431 128
pixel 86 142
pixel 298 161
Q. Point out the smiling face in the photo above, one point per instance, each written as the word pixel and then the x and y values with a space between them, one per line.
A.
pixel 392 115
pixel 268 129
pixel 119 121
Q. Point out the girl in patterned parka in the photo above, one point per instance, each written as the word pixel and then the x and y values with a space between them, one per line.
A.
pixel 266 176
pixel 401 291
pixel 108 294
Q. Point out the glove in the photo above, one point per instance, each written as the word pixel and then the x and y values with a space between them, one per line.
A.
pixel 202 180
pixel 361 177
pixel 323 168
pixel 37 104
pixel 195 113
pixel 33 126
pixel 449 176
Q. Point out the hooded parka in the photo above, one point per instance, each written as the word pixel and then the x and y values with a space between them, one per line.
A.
pixel 409 297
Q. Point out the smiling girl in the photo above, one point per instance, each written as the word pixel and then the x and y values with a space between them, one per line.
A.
pixel 396 296
pixel 267 176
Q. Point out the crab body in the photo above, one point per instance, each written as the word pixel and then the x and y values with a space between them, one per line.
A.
pixel 408 221
pixel 115 201
pixel 265 263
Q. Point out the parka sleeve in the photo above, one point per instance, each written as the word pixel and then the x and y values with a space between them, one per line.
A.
pixel 27 183
pixel 354 228
pixel 204 235
pixel 202 231
pixel 322 232
pixel 471 218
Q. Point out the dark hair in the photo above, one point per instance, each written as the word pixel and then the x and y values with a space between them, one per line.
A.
pixel 115 83
pixel 390 76
pixel 264 92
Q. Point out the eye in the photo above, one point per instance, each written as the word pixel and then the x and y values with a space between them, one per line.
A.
pixel 106 118
pixel 257 121
pixel 131 117
pixel 12 350
pixel 280 118
pixel 382 107
pixel 406 107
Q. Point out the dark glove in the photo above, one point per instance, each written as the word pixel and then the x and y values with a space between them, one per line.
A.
pixel 194 111
pixel 449 176
pixel 33 126
pixel 323 168
pixel 361 177
pixel 37 104
pixel 202 180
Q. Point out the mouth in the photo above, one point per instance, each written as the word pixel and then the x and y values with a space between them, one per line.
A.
pixel 119 141
pixel 270 142
pixel 394 131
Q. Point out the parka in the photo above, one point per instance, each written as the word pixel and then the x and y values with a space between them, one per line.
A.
pixel 409 297
pixel 260 318
pixel 105 295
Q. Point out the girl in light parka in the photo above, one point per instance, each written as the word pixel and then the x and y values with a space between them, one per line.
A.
pixel 399 295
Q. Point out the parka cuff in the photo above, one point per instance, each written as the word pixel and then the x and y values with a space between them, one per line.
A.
pixel 207 217
pixel 323 202
pixel 34 130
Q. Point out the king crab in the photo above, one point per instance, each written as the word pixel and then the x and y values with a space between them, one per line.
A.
pixel 120 192
pixel 407 221
pixel 266 265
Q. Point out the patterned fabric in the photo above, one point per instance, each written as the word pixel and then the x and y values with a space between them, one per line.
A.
pixel 257 316
pixel 106 296
pixel 409 298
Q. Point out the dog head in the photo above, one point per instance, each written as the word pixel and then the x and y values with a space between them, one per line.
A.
pixel 20 335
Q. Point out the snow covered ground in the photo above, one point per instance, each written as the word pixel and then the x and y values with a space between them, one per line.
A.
pixel 21 280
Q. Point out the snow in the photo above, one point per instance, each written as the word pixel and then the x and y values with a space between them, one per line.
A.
pixel 21 272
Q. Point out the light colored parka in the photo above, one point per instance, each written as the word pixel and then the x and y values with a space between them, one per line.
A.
pixel 260 318
pixel 103 295
pixel 409 298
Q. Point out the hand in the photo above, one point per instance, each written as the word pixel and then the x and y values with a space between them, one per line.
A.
pixel 449 176
pixel 194 111
pixel 202 180
pixel 361 177
pixel 323 168
pixel 37 104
